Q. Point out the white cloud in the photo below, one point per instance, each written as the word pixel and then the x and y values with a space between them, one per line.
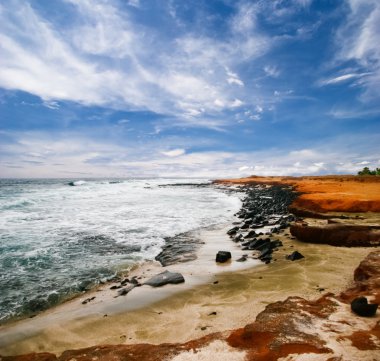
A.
pixel 97 58
pixel 174 152
pixel 236 103
pixel 51 104
pixel 342 78
pixel 244 168
pixel 358 40
pixel 245 20
pixel 134 3
pixel 41 154
pixel 123 121
pixel 259 109
pixel 219 103
pixel 271 71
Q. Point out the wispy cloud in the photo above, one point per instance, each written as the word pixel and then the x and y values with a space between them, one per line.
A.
pixel 342 78
pixel 174 152
pixel 97 59
pixel 358 40
pixel 76 153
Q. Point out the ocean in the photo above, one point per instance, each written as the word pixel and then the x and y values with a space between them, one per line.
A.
pixel 59 238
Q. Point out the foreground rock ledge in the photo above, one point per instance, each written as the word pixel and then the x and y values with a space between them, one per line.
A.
pixel 325 329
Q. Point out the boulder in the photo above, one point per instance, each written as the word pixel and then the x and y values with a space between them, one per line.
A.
pixel 233 231
pixel 294 256
pixel 165 278
pixel 245 225
pixel 361 307
pixel 250 234
pixel 238 238
pixel 223 256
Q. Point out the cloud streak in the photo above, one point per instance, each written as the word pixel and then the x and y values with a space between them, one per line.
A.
pixel 357 40
pixel 98 59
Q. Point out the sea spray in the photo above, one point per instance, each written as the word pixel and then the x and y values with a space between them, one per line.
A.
pixel 57 240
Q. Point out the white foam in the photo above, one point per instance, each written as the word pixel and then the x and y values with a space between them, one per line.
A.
pixel 69 227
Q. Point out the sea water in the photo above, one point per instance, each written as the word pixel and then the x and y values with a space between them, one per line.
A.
pixel 58 238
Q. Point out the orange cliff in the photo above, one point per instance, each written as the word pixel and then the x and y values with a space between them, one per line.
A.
pixel 326 193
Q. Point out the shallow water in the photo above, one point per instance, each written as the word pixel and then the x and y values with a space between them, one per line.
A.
pixel 57 240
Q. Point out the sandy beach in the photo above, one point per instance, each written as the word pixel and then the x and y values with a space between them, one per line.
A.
pixel 214 298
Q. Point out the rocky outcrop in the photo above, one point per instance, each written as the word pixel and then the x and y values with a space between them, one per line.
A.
pixel 325 329
pixel 335 234
pixel 367 280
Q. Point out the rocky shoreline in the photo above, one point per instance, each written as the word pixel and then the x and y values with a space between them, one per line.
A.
pixel 326 328
pixel 323 329
pixel 264 214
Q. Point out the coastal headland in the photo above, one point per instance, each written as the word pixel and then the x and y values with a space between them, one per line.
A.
pixel 283 308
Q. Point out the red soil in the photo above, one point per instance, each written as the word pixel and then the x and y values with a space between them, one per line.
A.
pixel 327 193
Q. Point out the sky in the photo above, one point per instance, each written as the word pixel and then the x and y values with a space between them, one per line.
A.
pixel 188 88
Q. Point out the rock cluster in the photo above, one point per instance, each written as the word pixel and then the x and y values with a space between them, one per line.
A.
pixel 263 207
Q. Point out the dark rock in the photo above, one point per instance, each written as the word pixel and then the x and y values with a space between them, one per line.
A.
pixel 125 290
pixel 294 256
pixel 275 244
pixel 223 256
pixel 179 249
pixel 255 244
pixel 88 300
pixel 115 287
pixel 212 314
pixel 245 225
pixel 361 307
pixel 37 304
pixel 265 252
pixel 257 225
pixel 164 278
pixel 251 234
pixel 242 259
pixel 233 231
pixel 238 238
pixel 134 281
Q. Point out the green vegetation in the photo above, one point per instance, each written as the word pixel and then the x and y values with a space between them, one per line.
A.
pixel 367 171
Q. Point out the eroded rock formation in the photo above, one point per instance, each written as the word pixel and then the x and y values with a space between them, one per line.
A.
pixel 335 234
pixel 325 329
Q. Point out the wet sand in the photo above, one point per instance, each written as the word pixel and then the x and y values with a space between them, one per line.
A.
pixel 213 298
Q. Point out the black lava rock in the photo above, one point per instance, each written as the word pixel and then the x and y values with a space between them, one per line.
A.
pixel 361 307
pixel 165 278
pixel 250 234
pixel 223 256
pixel 294 256
pixel 233 231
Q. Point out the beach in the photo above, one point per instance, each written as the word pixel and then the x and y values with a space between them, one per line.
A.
pixel 215 298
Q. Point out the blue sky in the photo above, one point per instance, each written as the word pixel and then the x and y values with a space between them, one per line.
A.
pixel 213 88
